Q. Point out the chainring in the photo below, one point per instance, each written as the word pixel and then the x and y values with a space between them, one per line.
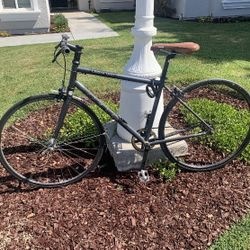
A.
pixel 139 145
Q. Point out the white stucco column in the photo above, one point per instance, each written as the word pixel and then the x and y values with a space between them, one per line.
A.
pixel 135 104
pixel 35 5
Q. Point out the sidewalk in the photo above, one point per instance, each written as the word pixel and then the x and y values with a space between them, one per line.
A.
pixel 82 26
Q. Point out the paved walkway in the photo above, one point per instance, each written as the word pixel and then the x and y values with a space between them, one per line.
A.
pixel 82 26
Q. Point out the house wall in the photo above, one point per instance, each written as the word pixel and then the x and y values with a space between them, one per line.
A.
pixel 99 5
pixel 190 9
pixel 20 21
pixel 83 5
pixel 231 8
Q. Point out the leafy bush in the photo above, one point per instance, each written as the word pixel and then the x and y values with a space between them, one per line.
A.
pixel 59 23
pixel 79 124
pixel 226 121
pixel 4 34
pixel 211 19
pixel 167 170
pixel 205 19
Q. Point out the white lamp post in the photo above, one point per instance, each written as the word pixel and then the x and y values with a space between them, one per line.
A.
pixel 135 104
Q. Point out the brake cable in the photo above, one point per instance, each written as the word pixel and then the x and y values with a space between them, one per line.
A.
pixel 64 66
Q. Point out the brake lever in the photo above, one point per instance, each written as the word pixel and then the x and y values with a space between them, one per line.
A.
pixel 65 38
pixel 64 48
pixel 56 55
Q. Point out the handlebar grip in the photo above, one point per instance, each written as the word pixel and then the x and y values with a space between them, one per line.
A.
pixel 65 49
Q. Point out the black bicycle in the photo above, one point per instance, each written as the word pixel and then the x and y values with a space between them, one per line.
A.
pixel 56 139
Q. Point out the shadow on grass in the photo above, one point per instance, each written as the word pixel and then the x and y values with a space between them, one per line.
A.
pixel 113 52
pixel 118 17
pixel 222 42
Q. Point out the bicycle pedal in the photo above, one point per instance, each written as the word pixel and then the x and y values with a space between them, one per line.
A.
pixel 143 176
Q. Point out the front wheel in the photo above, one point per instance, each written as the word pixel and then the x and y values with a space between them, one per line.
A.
pixel 214 118
pixel 29 151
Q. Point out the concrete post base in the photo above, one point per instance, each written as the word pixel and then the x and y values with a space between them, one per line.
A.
pixel 127 158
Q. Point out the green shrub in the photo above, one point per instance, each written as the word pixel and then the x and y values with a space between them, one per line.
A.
pixel 4 34
pixel 78 124
pixel 59 23
pixel 166 169
pixel 205 19
pixel 211 19
pixel 226 121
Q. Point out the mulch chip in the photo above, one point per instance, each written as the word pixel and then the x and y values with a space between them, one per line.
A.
pixel 115 211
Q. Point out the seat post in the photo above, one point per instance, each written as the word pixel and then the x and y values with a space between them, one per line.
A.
pixel 169 56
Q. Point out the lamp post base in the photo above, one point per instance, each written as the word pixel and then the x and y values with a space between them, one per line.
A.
pixel 127 158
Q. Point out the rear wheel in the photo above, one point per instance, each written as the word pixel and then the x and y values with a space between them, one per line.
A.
pixel 224 107
pixel 27 148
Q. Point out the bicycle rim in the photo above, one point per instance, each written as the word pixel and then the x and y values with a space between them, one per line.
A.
pixel 222 105
pixel 26 136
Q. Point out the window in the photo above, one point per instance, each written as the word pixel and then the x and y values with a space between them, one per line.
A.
pixel 236 4
pixel 9 4
pixel 14 4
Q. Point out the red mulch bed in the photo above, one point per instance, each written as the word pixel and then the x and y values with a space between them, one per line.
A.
pixel 110 210
pixel 116 211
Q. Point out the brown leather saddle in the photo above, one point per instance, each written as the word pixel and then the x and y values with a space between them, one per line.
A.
pixel 182 48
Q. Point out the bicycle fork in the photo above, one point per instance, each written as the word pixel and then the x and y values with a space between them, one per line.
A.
pixel 61 118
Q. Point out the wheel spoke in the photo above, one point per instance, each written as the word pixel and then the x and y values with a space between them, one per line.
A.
pixel 78 149
pixel 82 139
pixel 213 119
pixel 25 154
pixel 26 136
pixel 75 161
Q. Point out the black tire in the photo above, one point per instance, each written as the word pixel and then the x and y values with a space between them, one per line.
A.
pixel 25 135
pixel 223 105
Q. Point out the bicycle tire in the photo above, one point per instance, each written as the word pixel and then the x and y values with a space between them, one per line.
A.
pixel 26 130
pixel 225 106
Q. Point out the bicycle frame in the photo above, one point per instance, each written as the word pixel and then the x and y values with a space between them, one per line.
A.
pixel 113 115
pixel 155 85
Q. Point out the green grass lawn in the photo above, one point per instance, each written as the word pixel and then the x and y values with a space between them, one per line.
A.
pixel 27 70
pixel 223 47
pixel 237 238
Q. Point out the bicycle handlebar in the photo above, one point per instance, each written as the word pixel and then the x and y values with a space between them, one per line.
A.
pixel 65 47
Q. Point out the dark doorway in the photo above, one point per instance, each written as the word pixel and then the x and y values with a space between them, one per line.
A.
pixel 59 3
pixel 63 4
